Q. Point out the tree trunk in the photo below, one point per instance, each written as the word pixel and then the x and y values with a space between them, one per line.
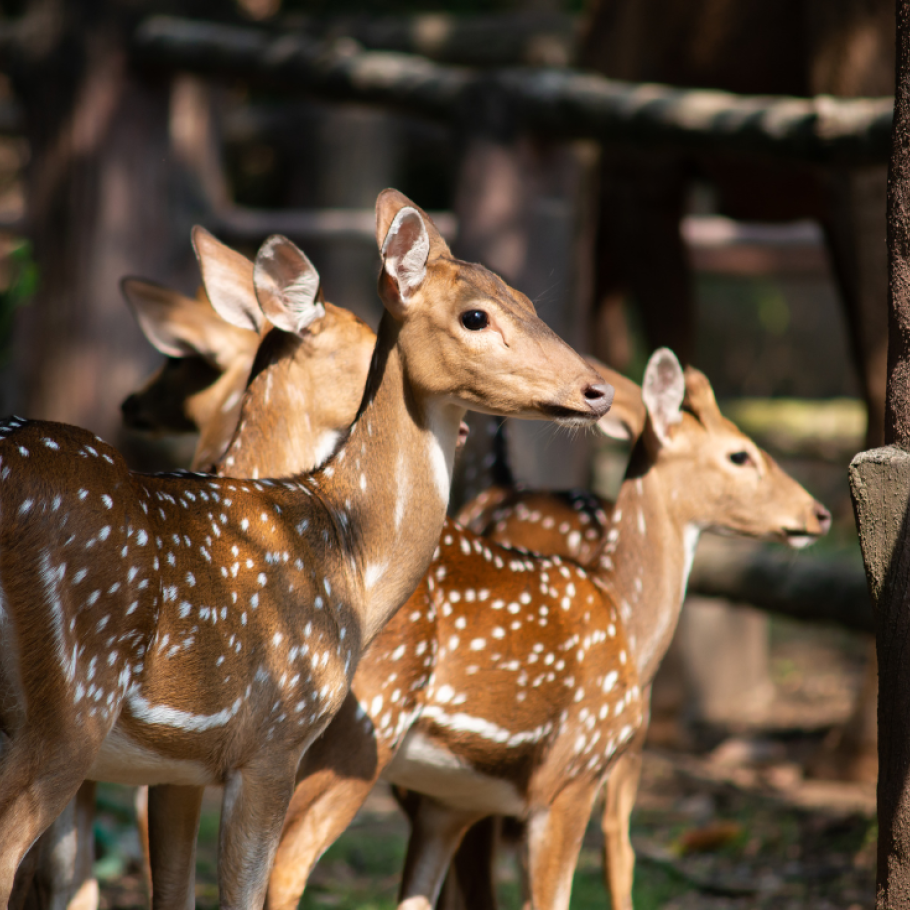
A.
pixel 104 199
pixel 880 485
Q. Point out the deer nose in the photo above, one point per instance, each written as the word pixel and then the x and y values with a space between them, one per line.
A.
pixel 599 396
pixel 823 516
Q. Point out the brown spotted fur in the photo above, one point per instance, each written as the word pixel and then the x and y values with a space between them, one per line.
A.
pixel 204 629
pixel 403 683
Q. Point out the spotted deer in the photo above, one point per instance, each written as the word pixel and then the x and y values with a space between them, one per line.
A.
pixel 432 703
pixel 210 342
pixel 410 654
pixel 254 451
pixel 394 694
pixel 204 630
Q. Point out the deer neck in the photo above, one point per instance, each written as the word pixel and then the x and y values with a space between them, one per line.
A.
pixel 646 561
pixel 388 484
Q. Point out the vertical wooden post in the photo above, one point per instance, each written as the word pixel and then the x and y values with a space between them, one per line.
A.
pixel 880 485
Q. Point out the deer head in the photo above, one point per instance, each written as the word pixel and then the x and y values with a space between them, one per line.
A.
pixel 486 334
pixel 723 481
pixel 309 374
pixel 692 470
pixel 200 384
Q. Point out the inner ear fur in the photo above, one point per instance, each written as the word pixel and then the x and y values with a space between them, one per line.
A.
pixel 287 285
pixel 663 390
pixel 388 204
pixel 405 252
pixel 174 324
pixel 228 279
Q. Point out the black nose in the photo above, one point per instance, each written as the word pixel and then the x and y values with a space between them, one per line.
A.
pixel 599 396
pixel 823 516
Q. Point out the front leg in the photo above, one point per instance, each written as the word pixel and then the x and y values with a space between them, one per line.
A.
pixel 436 832
pixel 555 833
pixel 256 799
pixel 470 884
pixel 173 824
pixel 619 798
pixel 335 776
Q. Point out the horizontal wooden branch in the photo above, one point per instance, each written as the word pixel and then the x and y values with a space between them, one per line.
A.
pixel 519 37
pixel 550 101
pixel 807 588
pixel 238 223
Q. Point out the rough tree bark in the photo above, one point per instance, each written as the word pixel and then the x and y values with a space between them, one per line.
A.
pixel 108 193
pixel 880 484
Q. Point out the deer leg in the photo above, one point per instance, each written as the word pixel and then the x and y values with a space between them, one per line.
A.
pixel 173 822
pixel 469 884
pixel 436 832
pixel 62 860
pixel 322 807
pixel 142 823
pixel 37 780
pixel 335 776
pixel 555 834
pixel 619 798
pixel 255 801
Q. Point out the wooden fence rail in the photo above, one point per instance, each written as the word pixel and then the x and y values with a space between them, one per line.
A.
pixel 553 101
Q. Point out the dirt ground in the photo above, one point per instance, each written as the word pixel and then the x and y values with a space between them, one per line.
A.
pixel 730 823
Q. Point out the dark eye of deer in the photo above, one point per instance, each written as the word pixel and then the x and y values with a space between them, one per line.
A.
pixel 474 320
pixel 740 458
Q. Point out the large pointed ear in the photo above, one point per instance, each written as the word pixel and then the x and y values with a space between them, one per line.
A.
pixel 407 240
pixel 405 251
pixel 287 285
pixel 663 390
pixel 700 398
pixel 228 279
pixel 626 418
pixel 180 326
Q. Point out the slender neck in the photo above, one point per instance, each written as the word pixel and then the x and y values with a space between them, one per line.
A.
pixel 384 491
pixel 646 561
pixel 275 434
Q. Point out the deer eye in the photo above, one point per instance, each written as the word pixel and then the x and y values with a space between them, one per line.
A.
pixel 474 320
pixel 740 458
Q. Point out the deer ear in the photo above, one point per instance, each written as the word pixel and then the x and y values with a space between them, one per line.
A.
pixel 405 251
pixel 168 319
pixel 700 398
pixel 287 285
pixel 228 279
pixel 663 390
pixel 180 326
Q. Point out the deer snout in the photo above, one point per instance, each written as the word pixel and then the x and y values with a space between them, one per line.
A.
pixel 822 517
pixel 599 397
pixel 817 524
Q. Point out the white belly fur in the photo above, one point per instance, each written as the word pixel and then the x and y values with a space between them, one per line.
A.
pixel 423 765
pixel 123 761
